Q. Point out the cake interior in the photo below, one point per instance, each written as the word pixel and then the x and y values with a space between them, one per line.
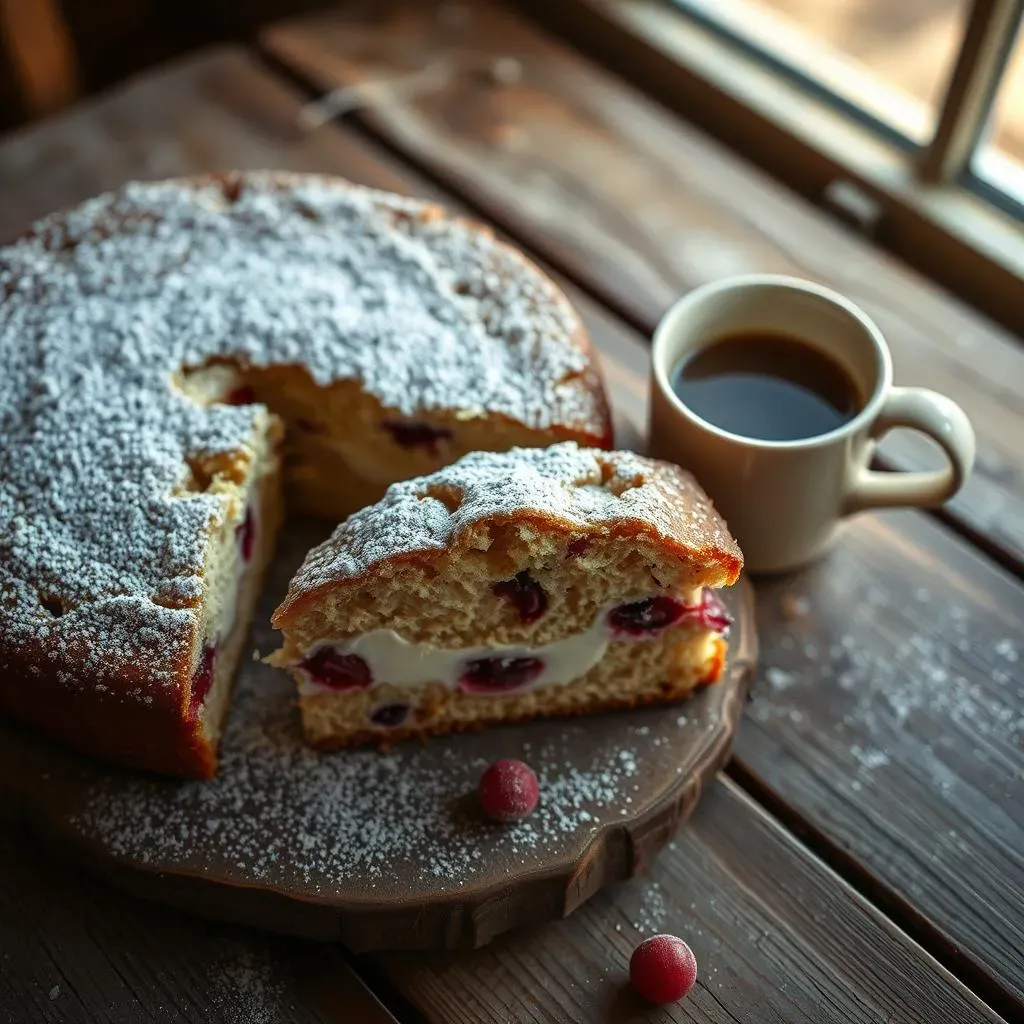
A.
pixel 342 447
pixel 240 546
pixel 329 450
pixel 519 622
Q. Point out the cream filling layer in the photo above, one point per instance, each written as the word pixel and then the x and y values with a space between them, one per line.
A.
pixel 225 564
pixel 392 659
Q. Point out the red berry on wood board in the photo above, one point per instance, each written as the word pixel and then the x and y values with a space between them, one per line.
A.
pixel 508 790
pixel 663 969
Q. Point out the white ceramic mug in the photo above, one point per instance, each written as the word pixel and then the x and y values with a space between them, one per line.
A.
pixel 784 499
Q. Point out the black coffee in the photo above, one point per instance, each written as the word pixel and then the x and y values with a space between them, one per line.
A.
pixel 768 386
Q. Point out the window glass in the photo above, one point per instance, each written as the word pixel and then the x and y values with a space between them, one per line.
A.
pixel 890 60
pixel 999 160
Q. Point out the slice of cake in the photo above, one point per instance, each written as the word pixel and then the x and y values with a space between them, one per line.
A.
pixel 507 586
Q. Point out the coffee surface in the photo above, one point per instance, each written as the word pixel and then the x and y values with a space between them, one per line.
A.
pixel 766 385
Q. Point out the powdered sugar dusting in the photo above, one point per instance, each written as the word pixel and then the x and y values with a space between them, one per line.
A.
pixel 100 307
pixel 278 809
pixel 921 682
pixel 246 985
pixel 583 488
pixel 295 819
pixel 653 909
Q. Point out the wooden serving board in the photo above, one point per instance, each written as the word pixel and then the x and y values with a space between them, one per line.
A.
pixel 383 850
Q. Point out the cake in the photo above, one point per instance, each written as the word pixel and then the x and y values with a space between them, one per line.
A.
pixel 506 586
pixel 184 359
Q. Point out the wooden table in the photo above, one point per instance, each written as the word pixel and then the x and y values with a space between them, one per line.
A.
pixel 862 858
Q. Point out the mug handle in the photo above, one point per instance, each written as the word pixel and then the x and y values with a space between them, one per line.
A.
pixel 942 420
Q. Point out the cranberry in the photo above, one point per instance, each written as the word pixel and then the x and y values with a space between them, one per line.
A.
pixel 245 534
pixel 498 675
pixel 578 547
pixel 508 790
pixel 651 615
pixel 525 593
pixel 202 680
pixel 338 671
pixel 416 434
pixel 390 715
pixel 243 395
pixel 663 969
pixel 712 612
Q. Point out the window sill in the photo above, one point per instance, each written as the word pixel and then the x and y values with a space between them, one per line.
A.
pixel 947 232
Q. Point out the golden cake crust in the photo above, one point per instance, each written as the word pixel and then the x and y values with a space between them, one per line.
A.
pixel 580 492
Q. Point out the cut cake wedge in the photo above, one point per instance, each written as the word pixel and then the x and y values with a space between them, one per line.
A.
pixel 506 586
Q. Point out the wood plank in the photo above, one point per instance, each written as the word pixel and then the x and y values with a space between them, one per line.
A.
pixel 776 937
pixel 41 53
pixel 890 716
pixel 216 111
pixel 638 207
pixel 73 951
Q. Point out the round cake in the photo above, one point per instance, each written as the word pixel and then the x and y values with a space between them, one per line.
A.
pixel 182 360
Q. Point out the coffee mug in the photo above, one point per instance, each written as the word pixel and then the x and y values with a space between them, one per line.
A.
pixel 783 500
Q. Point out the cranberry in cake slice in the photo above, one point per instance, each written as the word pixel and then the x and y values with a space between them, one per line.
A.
pixel 506 586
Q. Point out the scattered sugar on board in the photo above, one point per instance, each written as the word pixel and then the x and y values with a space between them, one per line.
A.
pixel 1006 649
pixel 869 758
pixel 779 679
pixel 278 809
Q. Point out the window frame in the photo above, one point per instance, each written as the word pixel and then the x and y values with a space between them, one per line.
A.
pixel 924 203
pixel 999 24
pixel 696 10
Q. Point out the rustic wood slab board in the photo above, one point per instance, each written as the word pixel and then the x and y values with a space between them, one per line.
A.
pixel 384 850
